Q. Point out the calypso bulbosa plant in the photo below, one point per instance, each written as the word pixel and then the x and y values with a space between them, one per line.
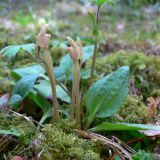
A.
pixel 42 44
pixel 75 50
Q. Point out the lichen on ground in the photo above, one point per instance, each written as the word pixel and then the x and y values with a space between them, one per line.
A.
pixel 135 111
pixel 57 143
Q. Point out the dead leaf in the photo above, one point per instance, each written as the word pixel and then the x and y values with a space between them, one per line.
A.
pixel 153 104
pixel 150 133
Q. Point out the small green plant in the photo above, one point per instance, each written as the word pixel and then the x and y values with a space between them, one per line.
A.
pixel 95 21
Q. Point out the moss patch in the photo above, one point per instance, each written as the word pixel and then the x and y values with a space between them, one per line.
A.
pixel 26 130
pixel 57 143
pixel 135 111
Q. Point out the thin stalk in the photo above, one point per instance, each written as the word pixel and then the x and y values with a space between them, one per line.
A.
pixel 95 49
pixel 75 100
pixel 49 68
pixel 78 110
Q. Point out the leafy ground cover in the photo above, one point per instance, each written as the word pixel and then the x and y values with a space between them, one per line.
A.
pixel 114 114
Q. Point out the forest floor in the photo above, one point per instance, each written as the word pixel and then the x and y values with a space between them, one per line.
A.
pixel 128 37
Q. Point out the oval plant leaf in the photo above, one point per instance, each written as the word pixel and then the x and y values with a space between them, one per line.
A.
pixel 11 51
pixel 105 126
pixel 22 88
pixel 39 101
pixel 28 47
pixel 21 72
pixel 106 96
pixel 15 99
pixel 44 89
pixel 24 85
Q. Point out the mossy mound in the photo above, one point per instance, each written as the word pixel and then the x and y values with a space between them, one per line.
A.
pixel 135 111
pixel 57 143
pixel 25 131
pixel 145 70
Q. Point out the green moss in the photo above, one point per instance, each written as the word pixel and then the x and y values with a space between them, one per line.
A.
pixel 57 143
pixel 26 129
pixel 5 83
pixel 135 111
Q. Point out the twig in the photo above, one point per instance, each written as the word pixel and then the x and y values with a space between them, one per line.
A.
pixel 105 141
pixel 25 117
pixel 36 60
pixel 61 85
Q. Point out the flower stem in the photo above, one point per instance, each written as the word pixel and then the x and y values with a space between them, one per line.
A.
pixel 95 48
pixel 75 101
pixel 47 60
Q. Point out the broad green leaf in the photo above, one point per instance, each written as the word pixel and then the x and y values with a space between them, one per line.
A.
pixel 39 101
pixel 11 51
pixel 22 88
pixel 28 47
pixel 105 97
pixel 60 73
pixel 87 53
pixel 105 126
pixel 44 89
pixel 15 99
pixel 10 132
pixel 24 85
pixel 61 94
pixel 21 72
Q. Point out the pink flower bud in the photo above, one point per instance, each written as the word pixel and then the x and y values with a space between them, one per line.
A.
pixel 43 38
pixel 75 50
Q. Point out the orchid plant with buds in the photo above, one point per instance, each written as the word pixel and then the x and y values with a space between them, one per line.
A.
pixel 42 43
pixel 99 99
pixel 103 99
pixel 76 51
pixel 89 110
